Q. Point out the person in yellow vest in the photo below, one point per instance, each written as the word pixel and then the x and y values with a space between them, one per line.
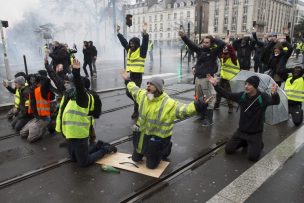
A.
pixel 298 48
pixel 294 89
pixel 230 67
pixel 74 121
pixel 136 55
pixel 40 107
pixel 157 113
pixel 14 111
pixel 23 91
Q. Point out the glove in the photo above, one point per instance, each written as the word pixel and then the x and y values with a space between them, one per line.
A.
pixel 110 149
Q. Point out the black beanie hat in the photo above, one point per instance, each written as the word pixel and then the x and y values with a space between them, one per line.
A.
pixel 135 41
pixel 254 81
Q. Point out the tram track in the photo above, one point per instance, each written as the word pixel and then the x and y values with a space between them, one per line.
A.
pixel 63 161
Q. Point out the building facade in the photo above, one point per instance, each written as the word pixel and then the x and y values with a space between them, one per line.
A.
pixel 299 12
pixel 165 18
pixel 239 16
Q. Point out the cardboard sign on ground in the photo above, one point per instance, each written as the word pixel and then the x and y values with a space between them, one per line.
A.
pixel 124 161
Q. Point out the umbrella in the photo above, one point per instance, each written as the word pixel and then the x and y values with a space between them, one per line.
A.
pixel 274 114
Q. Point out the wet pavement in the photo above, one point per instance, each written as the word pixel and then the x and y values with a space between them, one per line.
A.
pixel 199 169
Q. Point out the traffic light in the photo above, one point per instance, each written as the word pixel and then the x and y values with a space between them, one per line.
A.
pixel 129 20
pixel 4 23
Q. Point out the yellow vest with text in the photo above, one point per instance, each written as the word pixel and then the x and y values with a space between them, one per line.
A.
pixel 156 117
pixel 228 69
pixel 75 121
pixel 295 91
pixel 135 63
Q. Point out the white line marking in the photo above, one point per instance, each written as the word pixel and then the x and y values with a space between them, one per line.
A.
pixel 246 184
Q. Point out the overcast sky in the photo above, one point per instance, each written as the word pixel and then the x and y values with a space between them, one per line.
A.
pixel 12 10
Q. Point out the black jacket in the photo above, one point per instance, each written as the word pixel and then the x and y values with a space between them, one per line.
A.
pixel 60 56
pixel 252 120
pixel 143 46
pixel 244 52
pixel 93 51
pixel 206 57
pixel 87 54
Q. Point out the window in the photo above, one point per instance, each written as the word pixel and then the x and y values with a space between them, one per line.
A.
pixel 168 35
pixel 188 14
pixel 155 27
pixel 144 19
pixel 175 16
pixel 138 19
pixel 215 29
pixel 245 10
pixel 216 12
pixel 225 20
pixel 244 29
pixel 169 16
pixel 150 27
pixel 235 2
pixel 245 1
pixel 161 27
pixel 181 15
pixel 150 19
pixel 155 18
pixel 233 20
pixel 226 3
pixel 161 35
pixel 155 36
pixel 161 16
pixel 215 21
pixel 233 27
pixel 244 19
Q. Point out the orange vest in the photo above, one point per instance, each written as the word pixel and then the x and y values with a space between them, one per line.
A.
pixel 43 106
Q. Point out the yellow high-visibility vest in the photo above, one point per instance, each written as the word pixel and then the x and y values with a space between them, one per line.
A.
pixel 135 63
pixel 228 69
pixel 295 91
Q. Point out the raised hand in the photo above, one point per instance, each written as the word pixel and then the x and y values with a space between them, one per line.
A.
pixel 274 88
pixel 117 28
pixel 5 84
pixel 76 64
pixel 206 100
pixel 227 40
pixel 145 27
pixel 181 33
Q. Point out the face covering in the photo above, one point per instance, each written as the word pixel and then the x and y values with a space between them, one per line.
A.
pixel 150 96
pixel 276 54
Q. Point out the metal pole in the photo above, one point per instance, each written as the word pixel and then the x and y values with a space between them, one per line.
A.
pixel 293 22
pixel 6 63
pixel 160 57
pixel 25 64
pixel 200 24
pixel 189 51
pixel 114 14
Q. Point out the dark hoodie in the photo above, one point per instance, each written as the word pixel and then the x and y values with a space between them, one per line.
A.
pixel 136 41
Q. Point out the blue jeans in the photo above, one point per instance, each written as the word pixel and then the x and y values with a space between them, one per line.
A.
pixel 82 153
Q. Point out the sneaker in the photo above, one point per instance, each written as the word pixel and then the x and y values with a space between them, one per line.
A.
pixel 134 115
pixel 110 149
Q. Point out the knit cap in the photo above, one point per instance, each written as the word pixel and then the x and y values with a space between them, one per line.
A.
pixel 20 80
pixel 158 83
pixel 254 81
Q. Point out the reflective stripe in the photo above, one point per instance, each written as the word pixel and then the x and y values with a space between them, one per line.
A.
pixel 76 112
pixel 139 65
pixel 135 90
pixel 229 71
pixel 230 66
pixel 40 109
pixel 136 60
pixel 155 122
pixel 177 110
pixel 185 110
pixel 75 123
pixel 142 104
pixel 41 102
pixel 295 96
pixel 162 108
pixel 17 96
pixel 155 130
pixel 294 91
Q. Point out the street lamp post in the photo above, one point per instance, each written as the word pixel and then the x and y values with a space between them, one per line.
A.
pixel 6 63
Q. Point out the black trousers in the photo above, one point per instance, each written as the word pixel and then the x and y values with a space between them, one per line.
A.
pixel 82 153
pixel 258 68
pixel 225 85
pixel 85 63
pixel 137 78
pixel 254 142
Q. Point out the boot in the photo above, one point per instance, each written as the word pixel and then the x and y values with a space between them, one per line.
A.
pixel 208 121
pixel 216 106
pixel 230 110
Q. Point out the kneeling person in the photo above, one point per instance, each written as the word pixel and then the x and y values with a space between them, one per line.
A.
pixel 253 104
pixel 157 112
pixel 74 121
